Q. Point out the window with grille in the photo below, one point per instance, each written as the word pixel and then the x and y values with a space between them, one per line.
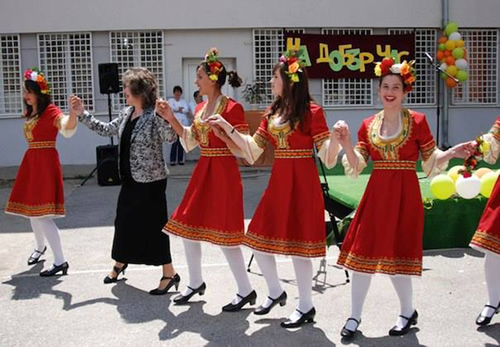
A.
pixel 10 76
pixel 66 60
pixel 347 91
pixel 268 46
pixel 133 49
pixel 424 89
pixel 481 87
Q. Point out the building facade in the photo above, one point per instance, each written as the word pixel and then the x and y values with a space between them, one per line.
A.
pixel 68 40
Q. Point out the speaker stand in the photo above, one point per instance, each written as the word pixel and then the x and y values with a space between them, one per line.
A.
pixel 112 143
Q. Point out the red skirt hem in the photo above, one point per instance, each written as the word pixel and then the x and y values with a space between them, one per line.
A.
pixel 383 265
pixel 35 210
pixel 285 247
pixel 198 233
pixel 484 240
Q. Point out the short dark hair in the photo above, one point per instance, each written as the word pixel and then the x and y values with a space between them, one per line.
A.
pixel 177 88
pixel 142 83
pixel 196 93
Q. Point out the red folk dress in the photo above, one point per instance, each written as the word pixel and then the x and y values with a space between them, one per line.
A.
pixel 487 236
pixel 386 233
pixel 289 219
pixel 212 207
pixel 38 189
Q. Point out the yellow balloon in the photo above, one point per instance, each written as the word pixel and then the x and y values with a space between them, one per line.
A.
pixel 442 186
pixel 482 171
pixel 450 45
pixel 487 183
pixel 453 172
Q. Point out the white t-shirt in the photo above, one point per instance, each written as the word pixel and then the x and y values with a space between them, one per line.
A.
pixel 181 115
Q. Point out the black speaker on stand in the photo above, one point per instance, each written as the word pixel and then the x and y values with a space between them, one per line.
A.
pixel 107 156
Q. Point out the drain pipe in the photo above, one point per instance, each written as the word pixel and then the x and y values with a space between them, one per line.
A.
pixel 446 91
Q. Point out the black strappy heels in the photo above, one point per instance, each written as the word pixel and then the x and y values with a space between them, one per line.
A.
pixel 108 279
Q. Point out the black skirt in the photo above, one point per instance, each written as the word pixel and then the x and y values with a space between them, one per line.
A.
pixel 140 216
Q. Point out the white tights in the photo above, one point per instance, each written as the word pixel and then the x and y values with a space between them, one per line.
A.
pixel 492 275
pixel 234 257
pixel 45 228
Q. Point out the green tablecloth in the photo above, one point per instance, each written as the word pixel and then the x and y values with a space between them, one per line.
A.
pixel 448 223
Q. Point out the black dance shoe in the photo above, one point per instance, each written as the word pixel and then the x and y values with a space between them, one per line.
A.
pixel 174 281
pixel 261 310
pixel 108 279
pixel 307 317
pixel 250 298
pixel 55 269
pixel 485 320
pixel 348 334
pixel 395 331
pixel 183 299
pixel 35 256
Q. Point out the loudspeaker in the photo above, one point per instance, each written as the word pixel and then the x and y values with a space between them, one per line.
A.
pixel 109 81
pixel 107 165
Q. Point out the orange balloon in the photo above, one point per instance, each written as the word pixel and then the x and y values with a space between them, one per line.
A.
pixel 450 83
pixel 450 60
pixel 439 55
pixel 482 171
pixel 442 39
pixel 446 53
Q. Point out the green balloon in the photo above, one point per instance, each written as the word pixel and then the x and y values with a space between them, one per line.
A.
pixel 443 76
pixel 451 27
pixel 441 46
pixel 461 75
pixel 458 53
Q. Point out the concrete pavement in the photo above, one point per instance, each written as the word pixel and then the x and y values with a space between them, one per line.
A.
pixel 79 310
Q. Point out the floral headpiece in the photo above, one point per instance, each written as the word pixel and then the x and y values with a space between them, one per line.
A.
pixel 294 64
pixel 214 65
pixel 406 70
pixel 34 74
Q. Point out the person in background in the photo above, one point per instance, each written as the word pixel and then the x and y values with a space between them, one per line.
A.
pixel 142 205
pixel 197 99
pixel 181 112
pixel 38 191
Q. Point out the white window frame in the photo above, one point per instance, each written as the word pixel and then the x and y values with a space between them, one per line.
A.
pixel 138 45
pixel 10 76
pixel 67 70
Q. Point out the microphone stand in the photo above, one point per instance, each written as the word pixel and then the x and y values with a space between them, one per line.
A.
pixel 438 69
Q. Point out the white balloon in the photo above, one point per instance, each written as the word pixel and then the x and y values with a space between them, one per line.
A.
pixel 443 66
pixel 469 187
pixel 455 36
pixel 461 64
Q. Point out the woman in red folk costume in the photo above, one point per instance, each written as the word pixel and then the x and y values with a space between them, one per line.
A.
pixel 212 207
pixel 289 219
pixel 487 236
pixel 38 192
pixel 385 236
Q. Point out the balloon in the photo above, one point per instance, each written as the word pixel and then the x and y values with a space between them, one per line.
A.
pixel 450 61
pixel 450 45
pixel 441 47
pixel 446 53
pixel 487 183
pixel 460 43
pixel 455 36
pixel 469 187
pixel 450 83
pixel 443 66
pixel 453 172
pixel 482 171
pixel 452 70
pixel 442 39
pixel 451 28
pixel 461 64
pixel 442 187
pixel 458 53
pixel 462 75
pixel 439 55
pixel 443 76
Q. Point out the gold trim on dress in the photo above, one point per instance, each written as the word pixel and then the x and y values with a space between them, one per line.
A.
pixel 293 153
pixel 394 165
pixel 389 148
pixel 486 241
pixel 280 133
pixel 28 127
pixel 285 247
pixel 41 144
pixel 197 233
pixel 35 210
pixel 202 127
pixel 215 152
pixel 384 265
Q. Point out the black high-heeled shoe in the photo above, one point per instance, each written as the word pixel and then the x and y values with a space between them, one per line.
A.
pixel 347 333
pixel 307 317
pixel 281 300
pixel 395 331
pixel 174 281
pixel 35 256
pixel 108 279
pixel 485 320
pixel 250 298
pixel 55 269
pixel 183 299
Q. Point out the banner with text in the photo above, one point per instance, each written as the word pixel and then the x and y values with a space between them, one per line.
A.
pixel 349 56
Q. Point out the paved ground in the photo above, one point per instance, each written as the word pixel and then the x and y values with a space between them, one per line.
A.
pixel 79 310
